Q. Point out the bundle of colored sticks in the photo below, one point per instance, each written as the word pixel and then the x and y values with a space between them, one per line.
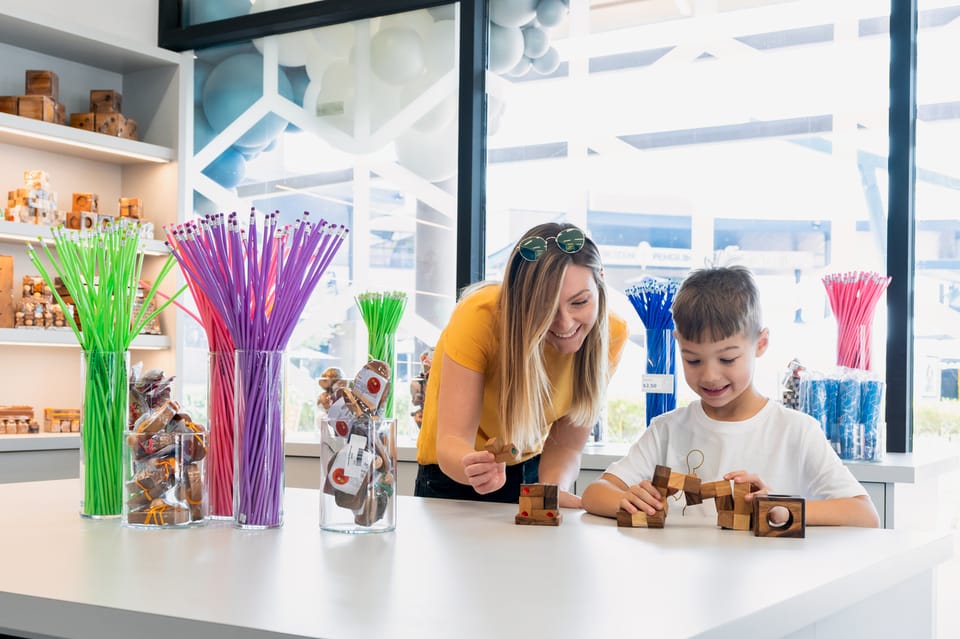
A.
pixel 251 283
pixel 853 299
pixel 652 300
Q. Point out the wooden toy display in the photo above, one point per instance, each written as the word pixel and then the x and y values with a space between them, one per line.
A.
pixel 734 512
pixel 61 420
pixel 105 116
pixel 34 202
pixel 40 100
pixel 36 306
pixel 539 505
pixel 17 420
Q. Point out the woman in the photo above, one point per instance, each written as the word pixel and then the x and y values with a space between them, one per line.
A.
pixel 526 361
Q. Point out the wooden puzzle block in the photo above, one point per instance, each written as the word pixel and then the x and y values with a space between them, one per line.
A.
pixel 725 519
pixel 658 519
pixel 767 523
pixel 631 520
pixel 676 481
pixel 742 522
pixel 42 83
pixel 37 107
pixel 661 479
pixel 724 502
pixel 85 202
pixel 502 452
pixel 711 489
pixel 105 101
pixel 740 504
pixel 538 505
pixel 108 123
pixel 83 121
pixel 8 104
pixel 691 490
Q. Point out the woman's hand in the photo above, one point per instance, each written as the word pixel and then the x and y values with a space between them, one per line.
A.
pixel 483 473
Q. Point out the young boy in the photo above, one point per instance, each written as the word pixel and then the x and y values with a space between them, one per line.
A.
pixel 741 434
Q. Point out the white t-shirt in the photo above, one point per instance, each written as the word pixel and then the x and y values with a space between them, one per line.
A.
pixel 784 447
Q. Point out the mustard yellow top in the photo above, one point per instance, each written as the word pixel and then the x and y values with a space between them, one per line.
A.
pixel 470 339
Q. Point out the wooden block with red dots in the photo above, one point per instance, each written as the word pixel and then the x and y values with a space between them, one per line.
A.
pixel 539 505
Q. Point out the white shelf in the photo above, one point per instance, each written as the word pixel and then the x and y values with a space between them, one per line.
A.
pixel 68 140
pixel 26 233
pixel 64 337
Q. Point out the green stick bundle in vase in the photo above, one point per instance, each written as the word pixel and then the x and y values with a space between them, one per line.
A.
pixel 100 271
pixel 381 313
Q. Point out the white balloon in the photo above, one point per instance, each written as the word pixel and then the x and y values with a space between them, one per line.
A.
pixel 521 68
pixel 317 61
pixel 440 47
pixel 536 41
pixel 548 62
pixel 512 13
pixel 335 40
pixel 432 156
pixel 337 110
pixel 419 20
pixel 506 48
pixel 293 48
pixel 550 13
pixel 337 90
pixel 437 117
pixel 444 12
pixel 396 55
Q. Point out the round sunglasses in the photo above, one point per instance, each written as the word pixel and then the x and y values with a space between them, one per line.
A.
pixel 568 240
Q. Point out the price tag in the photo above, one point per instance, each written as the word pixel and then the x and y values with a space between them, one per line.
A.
pixel 657 383
pixel 351 465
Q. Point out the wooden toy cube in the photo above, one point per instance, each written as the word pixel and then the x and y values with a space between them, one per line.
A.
pixel 794 526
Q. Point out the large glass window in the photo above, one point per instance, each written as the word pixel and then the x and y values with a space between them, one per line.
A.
pixel 680 133
pixel 357 124
pixel 937 281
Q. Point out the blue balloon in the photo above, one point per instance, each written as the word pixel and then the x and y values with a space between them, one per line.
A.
pixel 198 12
pixel 201 70
pixel 232 87
pixel 298 83
pixel 216 55
pixel 228 169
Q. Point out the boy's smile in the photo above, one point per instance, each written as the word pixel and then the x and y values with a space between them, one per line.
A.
pixel 721 373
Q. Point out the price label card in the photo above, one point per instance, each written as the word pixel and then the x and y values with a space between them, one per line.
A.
pixel 657 383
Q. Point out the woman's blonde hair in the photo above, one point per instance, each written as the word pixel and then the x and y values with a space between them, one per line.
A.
pixel 529 299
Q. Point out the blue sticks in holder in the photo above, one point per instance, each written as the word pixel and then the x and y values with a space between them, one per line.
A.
pixel 652 300
pixel 848 407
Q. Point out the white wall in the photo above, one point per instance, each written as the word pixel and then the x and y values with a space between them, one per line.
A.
pixel 129 19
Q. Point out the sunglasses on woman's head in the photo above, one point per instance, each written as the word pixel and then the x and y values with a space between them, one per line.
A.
pixel 569 241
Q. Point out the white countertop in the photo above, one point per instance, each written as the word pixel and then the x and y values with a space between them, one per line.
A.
pixel 451 568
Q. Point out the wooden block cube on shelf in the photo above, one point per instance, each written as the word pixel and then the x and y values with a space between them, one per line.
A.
pixel 8 104
pixel 105 101
pixel 109 123
pixel 37 107
pixel 42 83
pixel 83 121
pixel 85 202
pixel 546 496
pixel 131 207
pixel 130 129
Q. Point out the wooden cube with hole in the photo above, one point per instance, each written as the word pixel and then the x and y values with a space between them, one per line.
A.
pixel 83 121
pixel 105 101
pixel 109 123
pixel 539 505
pixel 131 207
pixel 88 202
pixel 779 516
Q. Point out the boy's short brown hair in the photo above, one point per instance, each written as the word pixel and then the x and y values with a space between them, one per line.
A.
pixel 715 303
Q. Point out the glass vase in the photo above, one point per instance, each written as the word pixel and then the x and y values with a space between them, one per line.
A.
pixel 258 401
pixel 659 381
pixel 103 420
pixel 383 347
pixel 220 420
pixel 165 479
pixel 359 474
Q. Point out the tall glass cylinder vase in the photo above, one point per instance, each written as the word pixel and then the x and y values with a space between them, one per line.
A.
pixel 258 401
pixel 659 380
pixel 103 420
pixel 221 430
pixel 383 346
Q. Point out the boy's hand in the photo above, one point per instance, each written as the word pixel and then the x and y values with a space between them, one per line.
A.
pixel 641 497
pixel 483 472
pixel 757 487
